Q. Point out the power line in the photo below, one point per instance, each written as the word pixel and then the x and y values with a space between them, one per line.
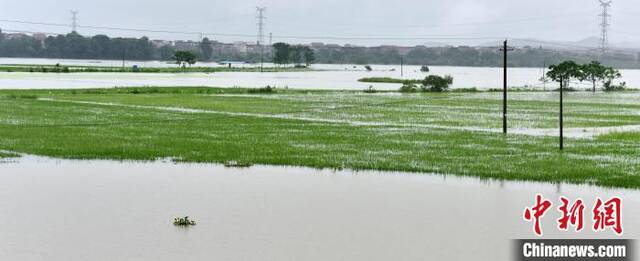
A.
pixel 126 29
pixel 497 22
pixel 434 37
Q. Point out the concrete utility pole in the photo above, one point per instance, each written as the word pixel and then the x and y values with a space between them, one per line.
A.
pixel 261 18
pixel 401 66
pixel 561 115
pixel 604 26
pixel 505 49
pixel 74 21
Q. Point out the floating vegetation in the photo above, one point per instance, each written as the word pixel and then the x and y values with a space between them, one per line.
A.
pixel 236 164
pixel 370 90
pixel 184 222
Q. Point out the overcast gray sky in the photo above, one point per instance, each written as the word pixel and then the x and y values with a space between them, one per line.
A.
pixel 562 20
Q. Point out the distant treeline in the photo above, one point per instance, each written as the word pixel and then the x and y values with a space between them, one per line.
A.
pixel 75 46
pixel 467 56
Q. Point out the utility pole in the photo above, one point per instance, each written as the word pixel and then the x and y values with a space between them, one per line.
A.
pixel 505 49
pixel 561 115
pixel 544 76
pixel 604 26
pixel 261 18
pixel 74 21
pixel 401 66
pixel 124 56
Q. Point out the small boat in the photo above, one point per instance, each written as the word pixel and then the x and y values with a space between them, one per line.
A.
pixel 424 68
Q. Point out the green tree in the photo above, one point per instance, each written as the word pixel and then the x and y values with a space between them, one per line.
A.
pixel 295 54
pixel 563 73
pixel 309 56
pixel 166 52
pixel 99 47
pixel 183 58
pixel 596 72
pixel 435 83
pixel 282 53
pixel 609 75
pixel 206 49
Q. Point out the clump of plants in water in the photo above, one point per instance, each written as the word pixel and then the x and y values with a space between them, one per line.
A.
pixel 236 164
pixel 609 87
pixel 435 83
pixel 432 83
pixel 370 89
pixel 184 222
pixel 409 87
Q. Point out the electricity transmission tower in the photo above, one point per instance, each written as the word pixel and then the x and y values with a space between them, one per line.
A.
pixel 74 21
pixel 261 18
pixel 604 26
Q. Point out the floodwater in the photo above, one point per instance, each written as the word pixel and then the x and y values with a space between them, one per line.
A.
pixel 331 76
pixel 54 209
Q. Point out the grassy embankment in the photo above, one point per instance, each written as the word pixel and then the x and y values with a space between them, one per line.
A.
pixel 7 155
pixel 387 80
pixel 106 69
pixel 386 131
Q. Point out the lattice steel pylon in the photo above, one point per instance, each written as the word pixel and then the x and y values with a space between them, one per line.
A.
pixel 74 21
pixel 260 42
pixel 604 25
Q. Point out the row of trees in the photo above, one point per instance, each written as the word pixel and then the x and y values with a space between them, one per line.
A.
pixel 76 46
pixel 594 72
pixel 464 56
pixel 292 54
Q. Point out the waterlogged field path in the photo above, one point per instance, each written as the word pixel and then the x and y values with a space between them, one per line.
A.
pixel 582 132
pixel 451 133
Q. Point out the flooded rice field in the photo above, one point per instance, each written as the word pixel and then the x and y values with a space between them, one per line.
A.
pixel 53 209
pixel 326 76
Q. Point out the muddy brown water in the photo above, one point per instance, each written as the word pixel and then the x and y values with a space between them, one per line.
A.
pixel 54 209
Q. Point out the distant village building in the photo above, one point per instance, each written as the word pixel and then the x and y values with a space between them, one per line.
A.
pixel 190 46
pixel 317 45
pixel 39 36
pixel 15 36
pixel 161 43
